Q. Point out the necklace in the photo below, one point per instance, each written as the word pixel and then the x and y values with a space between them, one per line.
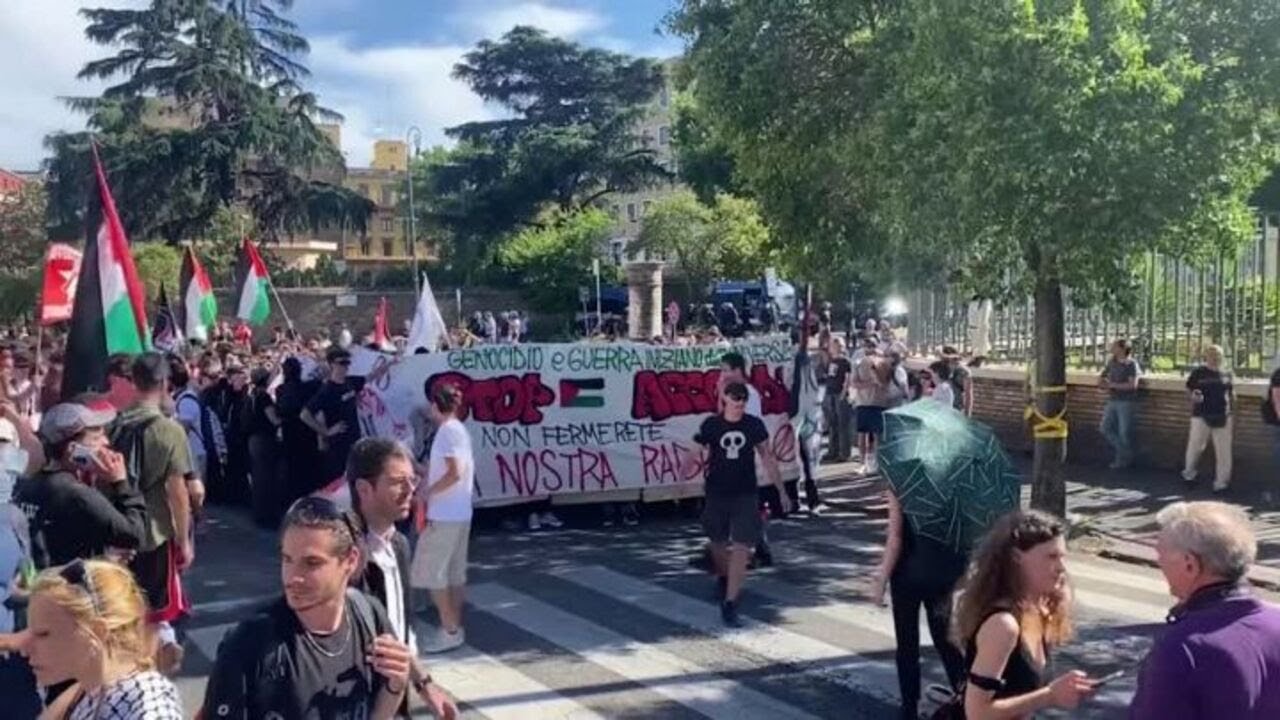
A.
pixel 346 639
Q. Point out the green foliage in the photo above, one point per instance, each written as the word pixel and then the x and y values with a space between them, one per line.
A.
pixel 779 93
pixel 157 263
pixel 22 229
pixel 234 124
pixel 551 262
pixel 704 158
pixel 1059 140
pixel 726 240
pixel 568 138
pixel 18 294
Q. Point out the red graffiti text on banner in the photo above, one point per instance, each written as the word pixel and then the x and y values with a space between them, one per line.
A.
pixel 539 472
pixel 499 400
pixel 659 396
pixel 670 463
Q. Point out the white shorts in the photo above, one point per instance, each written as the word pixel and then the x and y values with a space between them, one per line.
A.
pixel 440 560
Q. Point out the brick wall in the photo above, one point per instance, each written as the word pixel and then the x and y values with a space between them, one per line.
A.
pixel 1162 422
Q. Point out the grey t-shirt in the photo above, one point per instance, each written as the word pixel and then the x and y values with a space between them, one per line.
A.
pixel 1121 371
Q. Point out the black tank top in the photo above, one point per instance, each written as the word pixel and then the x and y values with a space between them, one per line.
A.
pixel 1020 675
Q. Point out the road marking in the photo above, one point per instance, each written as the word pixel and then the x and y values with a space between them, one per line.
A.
pixel 669 675
pixel 830 662
pixel 497 690
pixel 1107 603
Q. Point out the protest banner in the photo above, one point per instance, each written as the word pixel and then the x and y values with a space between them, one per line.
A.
pixel 583 418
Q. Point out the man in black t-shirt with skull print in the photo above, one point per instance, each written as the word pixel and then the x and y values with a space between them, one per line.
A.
pixel 731 514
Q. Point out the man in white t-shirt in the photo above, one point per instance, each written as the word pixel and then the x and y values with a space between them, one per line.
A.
pixel 440 563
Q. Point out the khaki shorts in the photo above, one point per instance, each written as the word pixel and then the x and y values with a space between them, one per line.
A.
pixel 440 560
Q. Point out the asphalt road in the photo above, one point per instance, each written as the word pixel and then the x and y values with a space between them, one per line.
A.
pixel 592 622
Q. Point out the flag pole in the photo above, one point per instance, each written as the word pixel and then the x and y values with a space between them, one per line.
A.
pixel 288 323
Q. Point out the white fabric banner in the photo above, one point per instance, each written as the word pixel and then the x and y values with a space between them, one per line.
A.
pixel 580 418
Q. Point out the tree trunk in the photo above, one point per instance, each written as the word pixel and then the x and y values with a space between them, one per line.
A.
pixel 1048 479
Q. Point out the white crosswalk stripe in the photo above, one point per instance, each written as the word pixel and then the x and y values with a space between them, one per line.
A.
pixel 667 674
pixel 820 633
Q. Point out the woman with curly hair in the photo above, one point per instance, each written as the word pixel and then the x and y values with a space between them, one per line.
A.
pixel 1013 609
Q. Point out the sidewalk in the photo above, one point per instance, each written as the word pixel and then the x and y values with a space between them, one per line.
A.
pixel 1112 512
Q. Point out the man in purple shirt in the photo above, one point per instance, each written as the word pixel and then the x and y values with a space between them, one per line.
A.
pixel 1220 656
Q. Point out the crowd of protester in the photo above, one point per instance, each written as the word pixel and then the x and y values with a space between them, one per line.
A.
pixel 100 495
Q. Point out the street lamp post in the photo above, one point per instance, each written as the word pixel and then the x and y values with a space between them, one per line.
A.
pixel 413 137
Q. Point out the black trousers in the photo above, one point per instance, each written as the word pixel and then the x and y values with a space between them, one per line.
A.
pixel 907 601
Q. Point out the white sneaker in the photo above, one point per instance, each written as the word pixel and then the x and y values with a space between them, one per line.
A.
pixel 550 520
pixel 445 641
pixel 534 522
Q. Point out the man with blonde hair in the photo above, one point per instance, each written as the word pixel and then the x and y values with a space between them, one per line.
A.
pixel 1220 656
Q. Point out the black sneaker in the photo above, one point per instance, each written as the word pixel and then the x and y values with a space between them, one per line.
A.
pixel 763 556
pixel 729 613
pixel 722 588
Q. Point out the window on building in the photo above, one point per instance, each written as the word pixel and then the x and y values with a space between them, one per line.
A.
pixel 648 205
pixel 388 224
pixel 615 250
pixel 617 212
pixel 631 212
pixel 365 245
pixel 388 196
pixel 388 247
pixel 664 135
pixel 364 190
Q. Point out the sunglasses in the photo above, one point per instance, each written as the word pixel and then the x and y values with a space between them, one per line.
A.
pixel 313 509
pixel 342 362
pixel 77 573
pixel 731 398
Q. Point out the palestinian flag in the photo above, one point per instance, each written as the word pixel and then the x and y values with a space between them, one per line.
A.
pixel 199 309
pixel 582 393
pixel 251 275
pixel 109 315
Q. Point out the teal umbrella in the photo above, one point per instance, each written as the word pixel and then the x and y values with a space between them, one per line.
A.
pixel 949 473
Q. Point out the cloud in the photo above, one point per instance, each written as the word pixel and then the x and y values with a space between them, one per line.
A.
pixel 381 91
pixel 42 47
pixel 559 21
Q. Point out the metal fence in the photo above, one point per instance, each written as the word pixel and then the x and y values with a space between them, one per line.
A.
pixel 1182 307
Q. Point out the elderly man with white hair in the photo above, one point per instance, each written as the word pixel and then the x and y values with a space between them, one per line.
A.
pixel 1220 656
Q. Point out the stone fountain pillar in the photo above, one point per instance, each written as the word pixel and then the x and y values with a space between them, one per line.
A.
pixel 644 300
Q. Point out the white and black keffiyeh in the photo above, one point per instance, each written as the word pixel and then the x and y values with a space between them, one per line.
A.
pixel 142 696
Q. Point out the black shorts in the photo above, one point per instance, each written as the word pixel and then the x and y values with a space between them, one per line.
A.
pixel 870 420
pixel 732 518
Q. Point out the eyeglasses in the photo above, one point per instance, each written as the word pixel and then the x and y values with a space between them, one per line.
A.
pixel 77 573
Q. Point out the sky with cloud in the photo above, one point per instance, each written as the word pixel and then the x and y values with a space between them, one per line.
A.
pixel 383 64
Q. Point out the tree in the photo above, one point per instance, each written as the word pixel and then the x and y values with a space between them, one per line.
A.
pixel 724 240
pixel 1061 140
pixel 207 111
pixel 22 229
pixel 1008 147
pixel 157 264
pixel 552 261
pixel 568 137
pixel 779 95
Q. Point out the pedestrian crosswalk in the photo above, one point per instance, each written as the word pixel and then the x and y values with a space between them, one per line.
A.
pixel 593 638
